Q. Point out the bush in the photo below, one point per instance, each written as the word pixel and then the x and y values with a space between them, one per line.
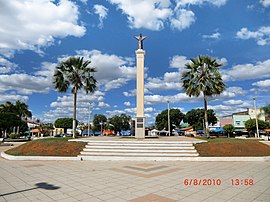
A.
pixel 14 136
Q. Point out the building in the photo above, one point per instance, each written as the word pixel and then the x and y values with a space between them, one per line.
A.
pixel 239 119
pixel 259 112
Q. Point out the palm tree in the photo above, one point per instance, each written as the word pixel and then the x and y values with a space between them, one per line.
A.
pixel 22 109
pixel 7 107
pixel 75 72
pixel 202 76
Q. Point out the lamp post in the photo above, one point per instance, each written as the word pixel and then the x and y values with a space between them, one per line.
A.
pixel 101 128
pixel 256 118
pixel 89 112
pixel 169 124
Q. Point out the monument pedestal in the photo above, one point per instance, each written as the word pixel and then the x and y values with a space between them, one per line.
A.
pixel 140 128
pixel 140 118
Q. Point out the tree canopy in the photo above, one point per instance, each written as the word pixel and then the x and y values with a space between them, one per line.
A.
pixel 19 108
pixel 250 125
pixel 98 120
pixel 8 121
pixel 120 122
pixel 195 117
pixel 228 129
pixel 63 123
pixel 176 116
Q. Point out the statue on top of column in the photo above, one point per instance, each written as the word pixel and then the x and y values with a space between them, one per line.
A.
pixel 140 41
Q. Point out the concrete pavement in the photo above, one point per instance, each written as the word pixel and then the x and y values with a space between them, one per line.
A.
pixel 133 181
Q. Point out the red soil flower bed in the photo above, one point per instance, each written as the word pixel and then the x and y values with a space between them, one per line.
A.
pixel 48 147
pixel 234 148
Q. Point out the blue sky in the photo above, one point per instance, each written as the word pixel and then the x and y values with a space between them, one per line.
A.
pixel 36 35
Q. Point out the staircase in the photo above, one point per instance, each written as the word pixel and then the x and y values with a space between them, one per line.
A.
pixel 138 150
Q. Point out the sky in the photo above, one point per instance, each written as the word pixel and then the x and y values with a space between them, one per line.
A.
pixel 35 35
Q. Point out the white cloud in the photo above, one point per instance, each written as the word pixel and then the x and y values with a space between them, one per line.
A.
pixel 130 93
pixel 6 66
pixel 265 3
pixel 103 104
pixel 263 84
pixel 109 67
pixel 155 14
pixel 84 1
pixel 127 103
pixel 262 35
pixel 183 19
pixel 171 81
pixel 217 3
pixel 13 98
pixel 159 99
pixel 101 11
pixel 145 14
pixel 117 83
pixel 215 35
pixel 232 92
pixel 243 72
pixel 24 83
pixel 35 24
pixel 63 107
pixel 233 102
pixel 179 61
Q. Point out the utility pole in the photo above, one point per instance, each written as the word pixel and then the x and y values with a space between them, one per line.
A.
pixel 256 118
pixel 169 124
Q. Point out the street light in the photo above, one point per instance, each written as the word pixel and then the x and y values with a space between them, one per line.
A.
pixel 169 125
pixel 89 118
pixel 256 118
pixel 101 123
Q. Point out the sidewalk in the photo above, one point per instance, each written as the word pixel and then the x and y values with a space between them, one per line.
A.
pixel 134 181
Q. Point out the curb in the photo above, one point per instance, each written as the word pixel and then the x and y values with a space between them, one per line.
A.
pixel 78 158
pixel 39 158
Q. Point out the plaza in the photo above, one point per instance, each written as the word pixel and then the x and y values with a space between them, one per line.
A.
pixel 133 181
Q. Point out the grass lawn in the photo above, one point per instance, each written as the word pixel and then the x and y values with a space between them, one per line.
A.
pixel 232 147
pixel 48 147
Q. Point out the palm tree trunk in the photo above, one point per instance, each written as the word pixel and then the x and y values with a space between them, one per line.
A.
pixel 74 113
pixel 205 115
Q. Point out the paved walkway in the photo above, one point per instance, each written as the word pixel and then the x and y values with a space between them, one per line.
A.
pixel 133 181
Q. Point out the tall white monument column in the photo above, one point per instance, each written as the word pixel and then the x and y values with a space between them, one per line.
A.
pixel 140 118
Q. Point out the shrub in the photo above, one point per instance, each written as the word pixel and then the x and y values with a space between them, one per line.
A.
pixel 14 136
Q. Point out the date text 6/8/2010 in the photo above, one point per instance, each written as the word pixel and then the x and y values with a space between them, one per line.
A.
pixel 217 182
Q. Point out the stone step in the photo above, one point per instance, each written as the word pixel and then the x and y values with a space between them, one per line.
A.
pixel 137 158
pixel 143 144
pixel 138 147
pixel 113 150
pixel 138 141
pixel 139 154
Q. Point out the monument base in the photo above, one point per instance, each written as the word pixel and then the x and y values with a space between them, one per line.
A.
pixel 140 128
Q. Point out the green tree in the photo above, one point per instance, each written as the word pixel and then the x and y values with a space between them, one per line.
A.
pixel 250 125
pixel 8 121
pixel 76 73
pixel 195 118
pixel 98 120
pixel 228 129
pixel 20 109
pixel 176 116
pixel 120 122
pixel 202 76
pixel 64 123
